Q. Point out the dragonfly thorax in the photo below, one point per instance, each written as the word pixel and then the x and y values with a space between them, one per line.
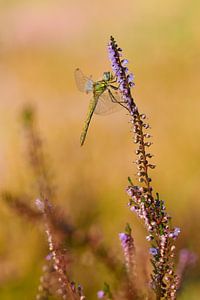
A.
pixel 100 86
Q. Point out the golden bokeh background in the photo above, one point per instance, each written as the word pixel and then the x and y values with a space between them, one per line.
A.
pixel 41 44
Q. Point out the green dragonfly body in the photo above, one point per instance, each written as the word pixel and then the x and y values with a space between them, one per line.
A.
pixel 98 89
pixel 104 100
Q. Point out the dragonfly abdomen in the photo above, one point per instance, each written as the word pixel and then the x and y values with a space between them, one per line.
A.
pixel 92 107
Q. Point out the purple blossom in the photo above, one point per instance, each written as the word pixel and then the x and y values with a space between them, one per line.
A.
pixel 124 62
pixel 124 238
pixel 49 256
pixel 100 294
pixel 130 78
pixel 153 251
pixel 133 208
pixel 149 238
pixel 131 84
pixel 73 286
pixel 175 233
pixel 187 258
pixel 40 204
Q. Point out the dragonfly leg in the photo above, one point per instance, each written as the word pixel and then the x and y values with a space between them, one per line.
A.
pixel 114 100
pixel 113 81
pixel 113 87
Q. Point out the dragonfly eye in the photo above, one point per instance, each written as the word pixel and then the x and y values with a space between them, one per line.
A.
pixel 106 76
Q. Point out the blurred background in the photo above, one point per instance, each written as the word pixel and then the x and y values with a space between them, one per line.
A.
pixel 41 44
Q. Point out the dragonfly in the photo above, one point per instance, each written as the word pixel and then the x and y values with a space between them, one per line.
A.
pixel 106 97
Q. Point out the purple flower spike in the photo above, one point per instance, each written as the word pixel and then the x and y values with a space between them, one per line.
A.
pixel 122 74
pixel 100 294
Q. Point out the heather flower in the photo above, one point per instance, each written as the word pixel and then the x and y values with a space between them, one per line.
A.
pixel 187 257
pixel 105 292
pixel 175 233
pixel 39 204
pixel 123 238
pixel 124 62
pixel 149 237
pixel 153 251
pixel 48 257
pixel 100 294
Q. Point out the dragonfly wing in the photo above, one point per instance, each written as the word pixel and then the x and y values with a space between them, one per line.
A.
pixel 107 105
pixel 84 83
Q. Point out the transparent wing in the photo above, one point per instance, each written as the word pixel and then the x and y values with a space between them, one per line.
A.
pixel 107 105
pixel 84 83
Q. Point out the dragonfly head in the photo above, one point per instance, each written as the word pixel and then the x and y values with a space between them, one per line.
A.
pixel 107 76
